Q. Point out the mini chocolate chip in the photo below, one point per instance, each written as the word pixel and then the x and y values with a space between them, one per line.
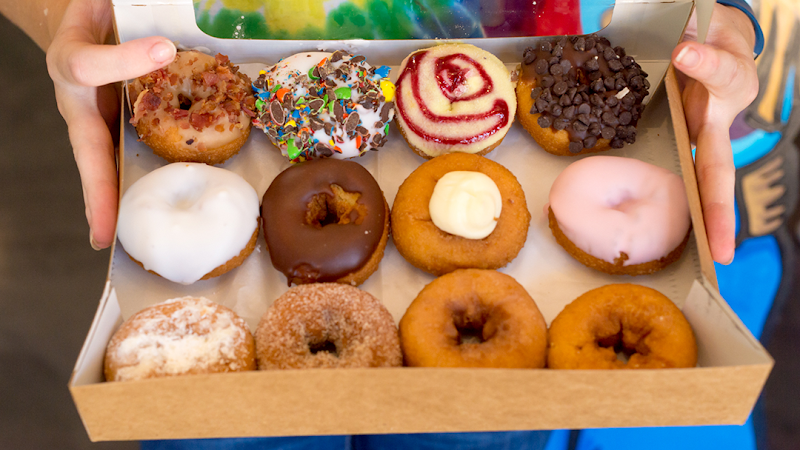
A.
pixel 541 66
pixel 597 85
pixel 582 88
pixel 646 84
pixel 560 123
pixel 625 118
pixel 629 99
pixel 637 82
pixel 527 51
pixel 608 133
pixel 594 129
pixel 546 46
pixel 643 73
pixel 619 51
pixel 530 58
pixel 544 121
pixel 276 111
pixel 630 134
pixel 548 81
pixel 620 84
pixel 597 111
pixel 627 61
pixel 569 112
pixel 560 88
pixel 387 108
pixel 563 42
pixel 585 96
pixel 580 44
pixel 592 64
pixel 616 143
pixel 615 65
pixel 555 109
pixel 596 100
pixel 556 70
pixel 579 126
pixel 612 101
pixel 608 54
pixel 590 142
pixel 609 118
pixel 584 119
pixel 584 108
pixel 575 147
pixel 596 75
pixel 536 92
pixel 541 105
pixel 566 65
pixel 323 150
pixel 572 91
pixel 608 82
pixel 577 99
pixel 599 47
pixel 590 43
pixel 621 132
pixel 546 95
pixel 190 142
pixel 554 60
pixel 352 122
pixel 558 51
pixel 565 100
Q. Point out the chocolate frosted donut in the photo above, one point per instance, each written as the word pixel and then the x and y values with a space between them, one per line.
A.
pixel 580 95
pixel 325 220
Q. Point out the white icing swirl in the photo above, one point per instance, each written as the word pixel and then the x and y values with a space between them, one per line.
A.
pixel 466 204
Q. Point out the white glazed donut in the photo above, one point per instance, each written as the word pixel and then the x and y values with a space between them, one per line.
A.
pixel 629 215
pixel 189 221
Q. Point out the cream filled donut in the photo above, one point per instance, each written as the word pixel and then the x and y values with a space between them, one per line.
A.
pixel 620 215
pixel 189 221
pixel 454 98
pixel 318 105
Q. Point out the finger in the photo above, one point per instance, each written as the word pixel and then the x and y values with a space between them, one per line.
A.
pixel 97 65
pixel 94 155
pixel 715 177
pixel 721 72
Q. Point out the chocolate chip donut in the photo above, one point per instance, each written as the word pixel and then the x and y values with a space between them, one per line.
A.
pixel 580 95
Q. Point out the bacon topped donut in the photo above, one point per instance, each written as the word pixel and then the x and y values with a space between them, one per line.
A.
pixel 454 98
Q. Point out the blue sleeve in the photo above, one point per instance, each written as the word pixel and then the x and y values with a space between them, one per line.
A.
pixel 745 8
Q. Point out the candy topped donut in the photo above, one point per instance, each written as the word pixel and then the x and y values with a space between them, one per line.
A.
pixel 580 95
pixel 454 98
pixel 620 215
pixel 196 109
pixel 318 105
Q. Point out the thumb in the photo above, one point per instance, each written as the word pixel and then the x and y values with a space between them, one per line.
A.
pixel 717 70
pixel 97 65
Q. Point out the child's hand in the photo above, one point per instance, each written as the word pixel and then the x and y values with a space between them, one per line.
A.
pixel 83 72
pixel 719 82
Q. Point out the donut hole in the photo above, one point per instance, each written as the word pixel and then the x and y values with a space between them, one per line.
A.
pixel 470 327
pixel 325 346
pixel 340 208
pixel 624 350
pixel 184 102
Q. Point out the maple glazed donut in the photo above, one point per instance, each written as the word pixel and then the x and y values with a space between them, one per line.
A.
pixel 504 322
pixel 619 215
pixel 639 321
pixel 427 204
pixel 319 105
pixel 325 221
pixel 454 98
pixel 180 336
pixel 197 109
pixel 189 221
pixel 579 95
pixel 327 325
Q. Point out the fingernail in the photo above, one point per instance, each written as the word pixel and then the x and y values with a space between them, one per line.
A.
pixel 688 57
pixel 162 52
pixel 92 241
pixel 729 261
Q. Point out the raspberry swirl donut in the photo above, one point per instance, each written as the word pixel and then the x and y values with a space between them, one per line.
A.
pixel 618 215
pixel 196 109
pixel 454 98
pixel 319 105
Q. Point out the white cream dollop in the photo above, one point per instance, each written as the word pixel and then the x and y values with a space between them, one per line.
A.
pixel 466 204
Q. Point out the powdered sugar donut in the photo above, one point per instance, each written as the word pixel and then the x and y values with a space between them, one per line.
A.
pixel 189 221
pixel 620 215
pixel 318 105
pixel 454 98
pixel 178 337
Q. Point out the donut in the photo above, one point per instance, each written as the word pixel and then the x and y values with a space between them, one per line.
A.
pixel 339 107
pixel 619 215
pixel 181 336
pixel 454 98
pixel 189 221
pixel 432 249
pixel 327 325
pixel 197 109
pixel 635 320
pixel 325 221
pixel 474 318
pixel 579 95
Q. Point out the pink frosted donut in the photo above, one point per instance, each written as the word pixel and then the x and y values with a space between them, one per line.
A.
pixel 620 215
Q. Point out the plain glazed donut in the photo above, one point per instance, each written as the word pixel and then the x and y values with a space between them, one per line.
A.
pixel 618 215
pixel 435 251
pixel 454 98
pixel 189 221
pixel 325 220
pixel 196 109
pixel 507 328
pixel 327 325
pixel 629 318
pixel 180 336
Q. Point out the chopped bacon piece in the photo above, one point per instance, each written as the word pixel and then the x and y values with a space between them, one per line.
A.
pixel 173 79
pixel 200 121
pixel 222 59
pixel 150 101
pixel 210 78
pixel 179 114
pixel 248 111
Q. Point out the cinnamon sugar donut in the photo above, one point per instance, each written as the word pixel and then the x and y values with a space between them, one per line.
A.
pixel 196 109
pixel 505 325
pixel 327 325
pixel 636 320
pixel 430 248
pixel 180 336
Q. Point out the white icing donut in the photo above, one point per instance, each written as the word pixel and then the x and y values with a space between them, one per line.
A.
pixel 607 205
pixel 184 220
pixel 466 204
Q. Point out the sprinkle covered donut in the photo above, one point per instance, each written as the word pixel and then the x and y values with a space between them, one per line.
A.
pixel 197 109
pixel 180 336
pixel 327 325
pixel 621 318
pixel 580 95
pixel 319 105
pixel 454 98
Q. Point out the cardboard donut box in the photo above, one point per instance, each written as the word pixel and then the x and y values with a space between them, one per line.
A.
pixel 722 389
